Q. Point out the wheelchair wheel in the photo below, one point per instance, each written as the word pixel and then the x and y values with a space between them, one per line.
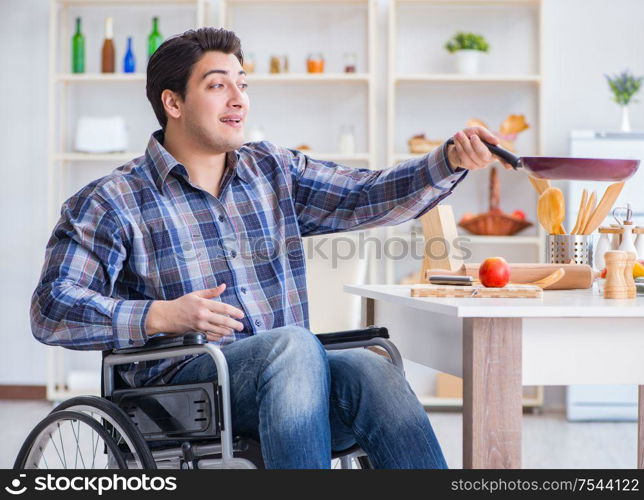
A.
pixel 127 436
pixel 69 440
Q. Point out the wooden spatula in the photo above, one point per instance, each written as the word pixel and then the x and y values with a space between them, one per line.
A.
pixel 589 208
pixel 551 210
pixel 540 185
pixel 603 207
pixel 580 214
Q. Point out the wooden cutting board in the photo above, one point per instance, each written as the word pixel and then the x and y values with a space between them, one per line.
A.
pixel 578 276
pixel 477 291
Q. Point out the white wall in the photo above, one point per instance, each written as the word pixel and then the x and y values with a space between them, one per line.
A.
pixel 583 40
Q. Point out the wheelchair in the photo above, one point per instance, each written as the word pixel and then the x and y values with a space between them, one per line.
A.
pixel 184 426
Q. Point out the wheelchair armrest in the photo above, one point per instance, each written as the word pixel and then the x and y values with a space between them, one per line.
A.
pixel 162 342
pixel 364 337
pixel 360 335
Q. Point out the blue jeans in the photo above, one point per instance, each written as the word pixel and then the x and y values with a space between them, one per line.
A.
pixel 301 401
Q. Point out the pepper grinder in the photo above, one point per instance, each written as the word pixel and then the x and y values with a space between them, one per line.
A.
pixel 628 275
pixel 615 286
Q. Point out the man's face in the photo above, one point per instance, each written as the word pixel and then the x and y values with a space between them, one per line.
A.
pixel 214 111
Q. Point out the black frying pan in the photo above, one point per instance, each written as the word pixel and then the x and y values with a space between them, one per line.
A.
pixel 563 168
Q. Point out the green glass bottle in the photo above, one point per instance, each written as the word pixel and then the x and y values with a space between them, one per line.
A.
pixel 78 49
pixel 155 38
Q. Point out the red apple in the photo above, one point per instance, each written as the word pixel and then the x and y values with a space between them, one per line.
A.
pixel 494 272
pixel 518 214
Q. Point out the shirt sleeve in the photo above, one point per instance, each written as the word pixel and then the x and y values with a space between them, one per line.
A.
pixel 72 305
pixel 330 198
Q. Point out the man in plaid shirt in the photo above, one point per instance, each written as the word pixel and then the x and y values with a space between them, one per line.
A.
pixel 204 233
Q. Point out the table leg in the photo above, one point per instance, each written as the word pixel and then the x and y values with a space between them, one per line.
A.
pixel 367 312
pixel 492 393
pixel 640 432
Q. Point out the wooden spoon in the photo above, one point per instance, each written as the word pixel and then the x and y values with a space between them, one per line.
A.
pixel 603 207
pixel 540 185
pixel 551 210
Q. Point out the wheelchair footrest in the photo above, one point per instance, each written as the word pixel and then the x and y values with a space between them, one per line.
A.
pixel 174 411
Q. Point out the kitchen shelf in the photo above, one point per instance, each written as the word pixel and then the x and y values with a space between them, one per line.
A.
pixel 526 3
pixel 436 402
pixel 103 3
pixel 97 156
pixel 287 2
pixel 99 77
pixel 308 78
pixel 60 95
pixel 455 77
pixel 530 78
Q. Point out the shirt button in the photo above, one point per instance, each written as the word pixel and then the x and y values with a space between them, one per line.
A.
pixel 243 289
pixel 221 218
pixel 257 322
pixel 233 254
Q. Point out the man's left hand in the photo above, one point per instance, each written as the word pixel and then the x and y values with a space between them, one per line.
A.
pixel 469 152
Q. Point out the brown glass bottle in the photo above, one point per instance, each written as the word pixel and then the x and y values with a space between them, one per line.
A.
pixel 108 56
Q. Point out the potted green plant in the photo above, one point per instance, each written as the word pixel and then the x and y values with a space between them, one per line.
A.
pixel 467 47
pixel 624 86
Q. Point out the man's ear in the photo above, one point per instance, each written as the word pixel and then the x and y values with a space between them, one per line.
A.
pixel 171 103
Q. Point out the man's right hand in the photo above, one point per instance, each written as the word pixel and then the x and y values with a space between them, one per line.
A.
pixel 194 312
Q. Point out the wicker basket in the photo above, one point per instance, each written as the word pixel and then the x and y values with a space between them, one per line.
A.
pixel 495 222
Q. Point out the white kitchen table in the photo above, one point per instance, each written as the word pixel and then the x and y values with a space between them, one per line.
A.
pixel 499 345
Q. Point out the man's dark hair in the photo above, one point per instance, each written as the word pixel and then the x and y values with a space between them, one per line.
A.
pixel 171 65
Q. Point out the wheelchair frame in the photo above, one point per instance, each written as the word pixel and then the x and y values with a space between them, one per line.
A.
pixel 195 344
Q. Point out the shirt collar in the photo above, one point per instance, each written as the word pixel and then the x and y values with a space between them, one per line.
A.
pixel 163 162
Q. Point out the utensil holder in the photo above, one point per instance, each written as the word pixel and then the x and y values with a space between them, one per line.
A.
pixel 569 248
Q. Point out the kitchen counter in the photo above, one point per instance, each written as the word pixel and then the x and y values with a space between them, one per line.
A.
pixel 554 304
pixel 499 345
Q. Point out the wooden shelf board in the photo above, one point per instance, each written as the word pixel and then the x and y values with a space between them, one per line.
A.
pixel 456 77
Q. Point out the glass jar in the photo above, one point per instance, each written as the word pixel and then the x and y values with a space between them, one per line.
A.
pixel 249 63
pixel 350 62
pixel 315 63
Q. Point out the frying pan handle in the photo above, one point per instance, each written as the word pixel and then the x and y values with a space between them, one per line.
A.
pixel 504 154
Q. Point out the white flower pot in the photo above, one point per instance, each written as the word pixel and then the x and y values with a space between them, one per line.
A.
pixel 626 121
pixel 468 61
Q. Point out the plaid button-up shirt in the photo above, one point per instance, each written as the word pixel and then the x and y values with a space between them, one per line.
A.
pixel 145 232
